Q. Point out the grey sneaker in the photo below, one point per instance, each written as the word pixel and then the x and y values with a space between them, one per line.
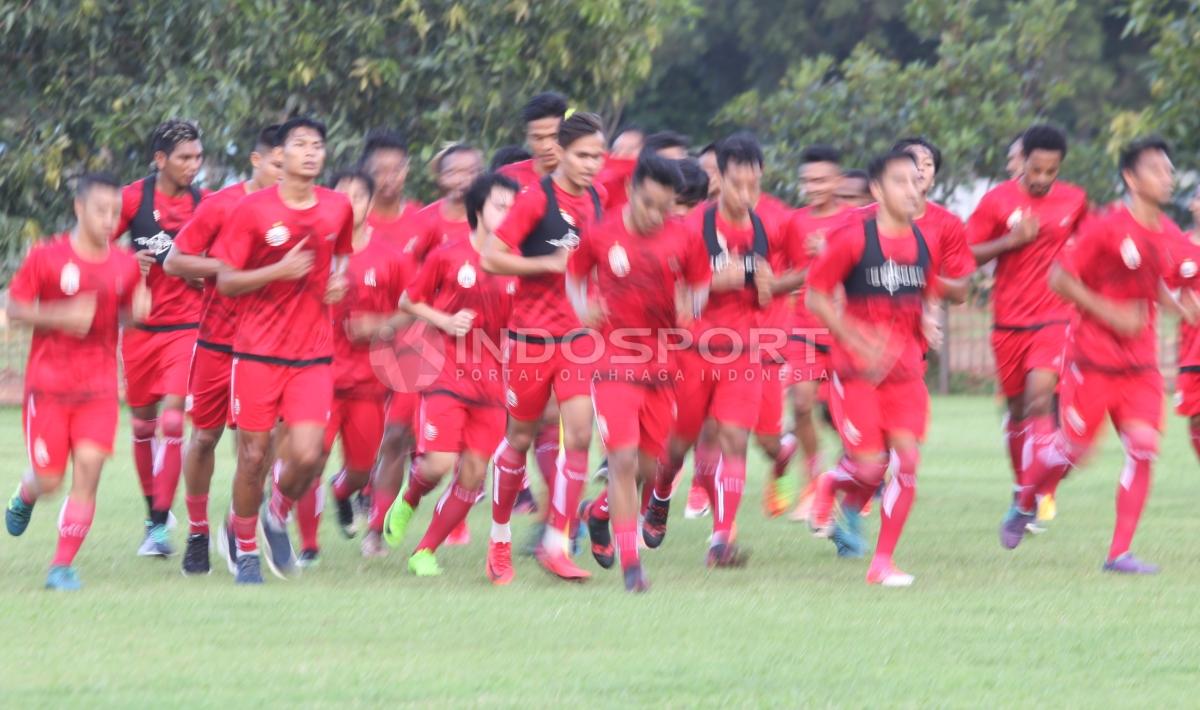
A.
pixel 281 557
pixel 249 570
pixel 157 543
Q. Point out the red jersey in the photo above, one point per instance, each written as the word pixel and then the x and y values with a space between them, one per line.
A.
pixel 430 229
pixel 942 225
pixel 175 301
pixel 218 321
pixel 377 276
pixel 286 321
pixel 800 226
pixel 450 280
pixel 893 316
pixel 523 172
pixel 63 364
pixel 1022 296
pixel 615 177
pixel 1187 254
pixel 1118 258
pixel 770 207
pixel 541 303
pixel 397 230
pixel 635 280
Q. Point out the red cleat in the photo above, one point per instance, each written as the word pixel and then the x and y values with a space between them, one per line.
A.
pixel 459 536
pixel 499 563
pixel 884 573
pixel 559 565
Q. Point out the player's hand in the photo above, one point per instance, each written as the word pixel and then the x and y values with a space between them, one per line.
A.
pixel 364 326
pixel 1126 319
pixel 556 263
pixel 336 287
pixel 76 314
pixel 296 263
pixel 931 328
pixel 732 277
pixel 140 306
pixel 764 281
pixel 865 346
pixel 459 324
pixel 145 259
pixel 1025 231
pixel 814 243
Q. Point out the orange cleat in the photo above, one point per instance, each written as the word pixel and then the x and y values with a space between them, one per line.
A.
pixel 459 536
pixel 499 563
pixel 560 565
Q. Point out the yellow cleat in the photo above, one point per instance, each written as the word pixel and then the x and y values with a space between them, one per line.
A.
pixel 1047 509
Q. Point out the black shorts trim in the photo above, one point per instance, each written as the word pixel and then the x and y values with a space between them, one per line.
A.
pixel 215 347
pixel 283 361
pixel 465 400
pixel 1190 368
pixel 819 347
pixel 1028 328
pixel 1135 370
pixel 539 340
pixel 166 328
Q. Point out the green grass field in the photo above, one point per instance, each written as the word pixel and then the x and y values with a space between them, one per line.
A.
pixel 798 627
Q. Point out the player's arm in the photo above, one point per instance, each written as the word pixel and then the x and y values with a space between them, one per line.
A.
pixel 1124 318
pixel 191 266
pixel 953 290
pixel 498 258
pixel 294 264
pixel 72 316
pixel 138 307
pixel 982 223
pixel 456 324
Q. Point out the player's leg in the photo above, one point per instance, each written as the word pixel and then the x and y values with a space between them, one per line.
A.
pixel 395 453
pixel 779 489
pixel 167 466
pixel 46 423
pixel 1138 418
pixel 735 410
pixel 694 389
pixel 440 427
pixel 451 511
pixel 362 432
pixel 208 407
pixel 617 406
pixel 570 479
pixel 856 406
pixel 807 369
pixel 1010 349
pixel 896 502
pixel 78 511
pixel 1039 396
pixel 139 361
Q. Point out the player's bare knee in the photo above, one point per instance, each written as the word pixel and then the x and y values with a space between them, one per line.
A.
pixel 205 440
pixel 473 472
pixel 733 441
pixel 436 465
pixel 49 483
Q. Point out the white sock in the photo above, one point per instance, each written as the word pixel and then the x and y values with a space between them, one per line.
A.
pixel 501 532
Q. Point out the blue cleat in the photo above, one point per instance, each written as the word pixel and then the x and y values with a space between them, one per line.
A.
pixel 157 543
pixel 847 534
pixel 1013 529
pixel 17 515
pixel 281 557
pixel 249 570
pixel 1128 564
pixel 63 579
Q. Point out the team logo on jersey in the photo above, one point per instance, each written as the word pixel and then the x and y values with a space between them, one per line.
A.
pixel 158 243
pixel 892 277
pixel 431 432
pixel 278 235
pixel 68 280
pixel 1187 269
pixel 618 261
pixel 466 276
pixel 1130 254
pixel 720 261
pixel 1015 218
pixel 567 217
pixel 156 215
pixel 569 241
pixel 410 245
pixel 511 288
pixel 369 277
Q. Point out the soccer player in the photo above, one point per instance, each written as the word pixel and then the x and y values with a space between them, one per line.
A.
pixel 887 269
pixel 73 290
pixel 622 160
pixel 462 413
pixel 445 220
pixel 533 243
pixel 385 158
pixel 156 354
pixel 722 374
pixel 854 190
pixel 1187 385
pixel 212 360
pixel 1116 271
pixel 1023 224
pixel 633 261
pixel 542 116
pixel 938 223
pixel 285 248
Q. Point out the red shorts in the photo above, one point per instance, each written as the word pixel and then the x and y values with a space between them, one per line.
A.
pixel 402 409
pixel 807 361
pixel 533 370
pixel 631 415
pixel 1187 394
pixel 208 388
pixel 264 393
pixel 451 425
pixel 865 413
pixel 359 423
pixel 770 407
pixel 54 426
pixel 1019 352
pixel 156 364
pixel 729 393
pixel 1086 396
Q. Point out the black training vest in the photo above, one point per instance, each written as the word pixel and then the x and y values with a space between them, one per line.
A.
pixel 874 275
pixel 716 253
pixel 553 232
pixel 144 230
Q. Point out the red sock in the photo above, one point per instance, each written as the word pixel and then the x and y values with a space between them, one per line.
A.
pixel 599 507
pixel 308 516
pixel 1132 492
pixel 625 535
pixel 545 452
pixel 729 482
pixel 381 500
pixel 508 477
pixel 897 501
pixel 705 460
pixel 1048 460
pixel 664 480
pixel 342 490
pixel 28 493
pixel 451 510
pixel 73 524
pixel 568 488
pixel 418 487
pixel 169 460
pixel 647 489
pixel 1015 431
pixel 280 505
pixel 857 480
pixel 245 531
pixel 143 454
pixel 197 507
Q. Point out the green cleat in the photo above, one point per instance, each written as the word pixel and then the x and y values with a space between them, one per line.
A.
pixel 16 517
pixel 63 579
pixel 847 534
pixel 395 522
pixel 424 564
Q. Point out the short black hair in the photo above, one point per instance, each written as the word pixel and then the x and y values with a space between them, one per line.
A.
pixel 481 189
pixel 741 147
pixel 820 153
pixel 268 138
pixel 354 174
pixel 856 174
pixel 879 165
pixel 579 125
pixel 654 167
pixel 1043 137
pixel 507 155
pixel 695 182
pixel 1132 152
pixel 708 148
pixel 170 133
pixel 382 139
pixel 663 140
pixel 296 122
pixel 905 143
pixel 89 181
pixel 448 151
pixel 548 104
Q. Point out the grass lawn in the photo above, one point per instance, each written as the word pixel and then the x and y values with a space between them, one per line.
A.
pixel 798 627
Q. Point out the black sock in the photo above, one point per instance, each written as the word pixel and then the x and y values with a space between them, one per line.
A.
pixel 149 507
pixel 158 517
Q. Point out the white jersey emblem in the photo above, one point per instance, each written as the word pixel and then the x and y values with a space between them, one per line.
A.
pixel 369 277
pixel 278 235
pixel 618 261
pixel 68 280
pixel 466 276
pixel 1130 254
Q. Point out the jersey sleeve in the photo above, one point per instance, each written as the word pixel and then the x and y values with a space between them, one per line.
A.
pixel 956 258
pixel 583 259
pixel 527 210
pixel 26 283
pixel 344 245
pixel 424 286
pixel 1079 255
pixel 233 244
pixel 129 277
pixel 131 197
pixel 198 235
pixel 982 224
pixel 697 267
pixel 842 249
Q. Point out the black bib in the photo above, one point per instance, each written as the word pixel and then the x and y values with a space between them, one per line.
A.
pixel 553 232
pixel 716 253
pixel 874 275
pixel 144 230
